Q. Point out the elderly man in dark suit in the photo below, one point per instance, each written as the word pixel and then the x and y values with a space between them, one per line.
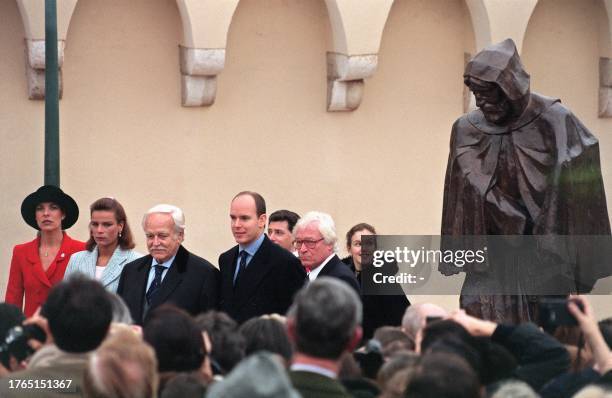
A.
pixel 316 242
pixel 169 274
pixel 257 276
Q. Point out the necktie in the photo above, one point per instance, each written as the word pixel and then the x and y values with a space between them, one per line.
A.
pixel 241 266
pixel 155 284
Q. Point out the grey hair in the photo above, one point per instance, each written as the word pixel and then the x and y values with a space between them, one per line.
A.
pixel 325 225
pixel 175 212
pixel 415 317
pixel 326 314
pixel 515 389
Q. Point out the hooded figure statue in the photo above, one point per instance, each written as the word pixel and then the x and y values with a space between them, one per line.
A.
pixel 521 164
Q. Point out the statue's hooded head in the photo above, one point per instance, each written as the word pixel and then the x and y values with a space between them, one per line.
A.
pixel 499 66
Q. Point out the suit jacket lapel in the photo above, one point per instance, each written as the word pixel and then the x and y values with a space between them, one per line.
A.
pixel 140 283
pixel 228 274
pixel 61 259
pixel 114 266
pixel 173 278
pixel 34 260
pixel 88 267
pixel 330 264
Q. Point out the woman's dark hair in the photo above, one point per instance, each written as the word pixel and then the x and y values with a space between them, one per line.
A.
pixel 176 339
pixel 126 241
pixel 266 334
pixel 227 343
pixel 356 228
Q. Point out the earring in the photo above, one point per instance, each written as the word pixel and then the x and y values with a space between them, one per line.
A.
pixel 120 234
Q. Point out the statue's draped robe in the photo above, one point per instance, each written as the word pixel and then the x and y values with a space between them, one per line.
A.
pixel 539 175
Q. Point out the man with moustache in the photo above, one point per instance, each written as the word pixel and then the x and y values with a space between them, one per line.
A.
pixel 170 273
pixel 257 276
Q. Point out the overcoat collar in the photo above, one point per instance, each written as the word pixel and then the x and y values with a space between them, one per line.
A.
pixel 172 279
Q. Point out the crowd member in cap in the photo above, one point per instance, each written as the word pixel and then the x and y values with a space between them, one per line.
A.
pixel 109 247
pixel 38 265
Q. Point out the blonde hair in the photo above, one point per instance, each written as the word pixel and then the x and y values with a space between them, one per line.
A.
pixel 593 392
pixel 124 366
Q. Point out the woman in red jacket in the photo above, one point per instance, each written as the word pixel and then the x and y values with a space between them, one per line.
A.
pixel 38 265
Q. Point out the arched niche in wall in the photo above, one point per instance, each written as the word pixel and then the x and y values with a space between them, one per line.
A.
pixel 561 53
pixel 420 77
pixel 605 61
pixel 205 24
pixel 21 120
pixel 12 35
pixel 275 56
pixel 122 79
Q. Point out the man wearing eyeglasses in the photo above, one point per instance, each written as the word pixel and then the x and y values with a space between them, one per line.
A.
pixel 257 276
pixel 316 243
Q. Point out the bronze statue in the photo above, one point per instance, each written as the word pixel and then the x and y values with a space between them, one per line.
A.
pixel 521 164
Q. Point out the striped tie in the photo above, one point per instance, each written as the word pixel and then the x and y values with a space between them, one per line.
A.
pixel 156 283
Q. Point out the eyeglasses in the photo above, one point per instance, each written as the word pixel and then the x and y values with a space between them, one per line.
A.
pixel 310 244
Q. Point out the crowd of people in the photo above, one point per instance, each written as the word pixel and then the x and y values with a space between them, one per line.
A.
pixel 92 348
pixel 280 316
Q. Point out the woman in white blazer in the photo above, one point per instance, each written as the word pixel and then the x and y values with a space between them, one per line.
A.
pixel 109 248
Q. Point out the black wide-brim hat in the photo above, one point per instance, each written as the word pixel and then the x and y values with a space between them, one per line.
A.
pixel 49 193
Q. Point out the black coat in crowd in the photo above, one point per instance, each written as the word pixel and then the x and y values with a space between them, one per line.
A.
pixel 190 283
pixel 266 286
pixel 380 309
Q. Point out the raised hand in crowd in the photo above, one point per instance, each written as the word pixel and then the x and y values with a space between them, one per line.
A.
pixel 592 334
pixel 475 326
